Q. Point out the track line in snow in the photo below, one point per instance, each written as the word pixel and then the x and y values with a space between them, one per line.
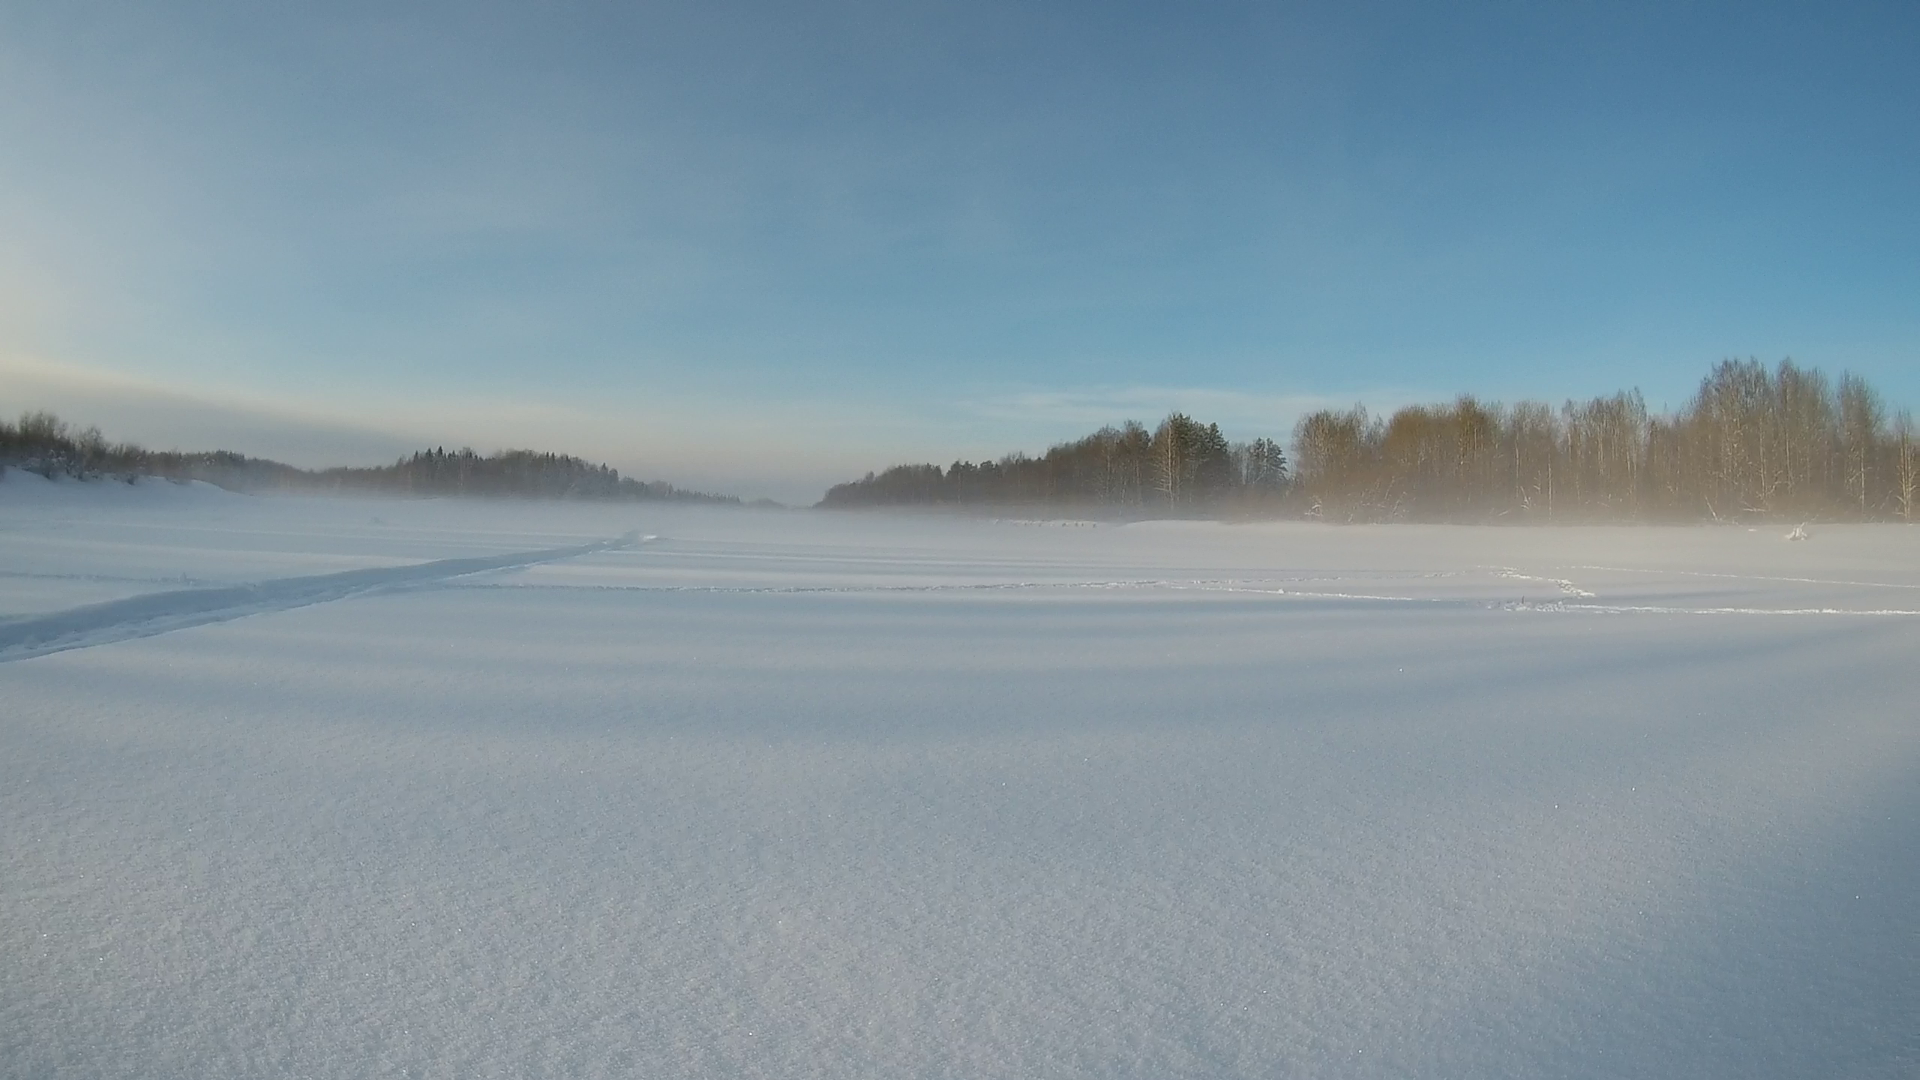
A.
pixel 1176 585
pixel 1656 609
pixel 1657 572
pixel 178 609
pixel 1234 587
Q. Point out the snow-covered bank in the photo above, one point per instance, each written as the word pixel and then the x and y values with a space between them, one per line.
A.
pixel 20 488
pixel 811 795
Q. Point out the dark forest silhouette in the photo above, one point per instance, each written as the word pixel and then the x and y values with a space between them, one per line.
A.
pixel 1180 465
pixel 1781 442
pixel 41 442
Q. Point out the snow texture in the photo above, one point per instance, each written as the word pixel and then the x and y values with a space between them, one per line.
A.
pixel 808 794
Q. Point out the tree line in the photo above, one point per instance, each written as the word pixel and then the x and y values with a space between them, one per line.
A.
pixel 43 443
pixel 1754 441
pixel 522 473
pixel 1181 464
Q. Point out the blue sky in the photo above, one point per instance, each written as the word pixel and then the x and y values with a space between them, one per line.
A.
pixel 765 246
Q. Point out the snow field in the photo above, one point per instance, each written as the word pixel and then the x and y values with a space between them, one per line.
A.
pixel 831 795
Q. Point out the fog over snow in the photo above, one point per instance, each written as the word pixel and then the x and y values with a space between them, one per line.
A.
pixel 346 788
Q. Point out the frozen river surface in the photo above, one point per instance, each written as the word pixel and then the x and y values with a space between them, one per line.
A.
pixel 354 788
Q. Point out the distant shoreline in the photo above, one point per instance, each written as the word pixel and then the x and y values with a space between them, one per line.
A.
pixel 1754 443
pixel 43 443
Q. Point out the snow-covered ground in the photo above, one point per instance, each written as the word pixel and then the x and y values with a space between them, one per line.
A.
pixel 695 792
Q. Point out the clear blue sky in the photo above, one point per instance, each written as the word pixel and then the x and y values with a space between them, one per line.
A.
pixel 765 246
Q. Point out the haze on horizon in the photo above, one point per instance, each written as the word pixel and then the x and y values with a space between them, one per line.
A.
pixel 751 248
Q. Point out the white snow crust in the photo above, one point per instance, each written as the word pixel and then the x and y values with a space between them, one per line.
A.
pixel 845 795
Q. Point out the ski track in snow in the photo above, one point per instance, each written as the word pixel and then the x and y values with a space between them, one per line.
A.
pixel 156 613
pixel 159 613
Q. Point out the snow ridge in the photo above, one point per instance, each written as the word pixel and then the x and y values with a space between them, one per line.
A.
pixel 1565 586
